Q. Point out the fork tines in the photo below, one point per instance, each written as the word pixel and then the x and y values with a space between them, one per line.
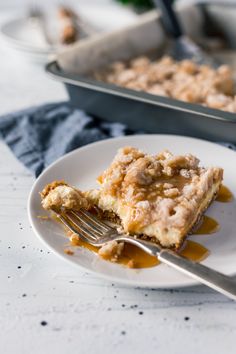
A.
pixel 86 225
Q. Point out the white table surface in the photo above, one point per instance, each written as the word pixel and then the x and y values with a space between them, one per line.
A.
pixel 80 312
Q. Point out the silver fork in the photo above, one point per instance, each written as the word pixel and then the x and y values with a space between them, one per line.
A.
pixel 94 231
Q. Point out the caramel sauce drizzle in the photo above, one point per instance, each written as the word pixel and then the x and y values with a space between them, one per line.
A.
pixel 194 251
pixel 207 226
pixel 134 257
pixel 224 195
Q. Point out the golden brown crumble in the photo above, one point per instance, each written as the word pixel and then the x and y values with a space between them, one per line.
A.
pixel 58 195
pixel 184 80
pixel 49 187
pixel 131 264
pixel 111 250
pixel 69 252
pixel 156 195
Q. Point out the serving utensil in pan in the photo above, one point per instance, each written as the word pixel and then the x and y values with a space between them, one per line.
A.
pixel 181 47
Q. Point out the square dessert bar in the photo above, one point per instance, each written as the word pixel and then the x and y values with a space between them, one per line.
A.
pixel 159 197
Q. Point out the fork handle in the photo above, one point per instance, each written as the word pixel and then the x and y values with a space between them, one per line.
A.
pixel 200 272
pixel 213 279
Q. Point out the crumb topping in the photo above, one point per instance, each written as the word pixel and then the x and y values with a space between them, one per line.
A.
pixel 184 80
pixel 49 187
pixel 163 189
pixel 111 250
pixel 58 195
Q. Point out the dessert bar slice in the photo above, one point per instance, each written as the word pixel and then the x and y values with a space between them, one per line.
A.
pixel 159 197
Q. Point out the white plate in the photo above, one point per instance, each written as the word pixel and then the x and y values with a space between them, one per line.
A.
pixel 82 166
pixel 26 36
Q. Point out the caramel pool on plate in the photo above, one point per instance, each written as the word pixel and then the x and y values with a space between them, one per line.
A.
pixel 133 257
pixel 207 226
pixel 224 195
pixel 194 251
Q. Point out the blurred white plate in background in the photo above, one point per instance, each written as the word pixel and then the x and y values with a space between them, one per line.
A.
pixel 26 35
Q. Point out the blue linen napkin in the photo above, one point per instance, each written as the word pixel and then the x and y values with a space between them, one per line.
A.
pixel 39 135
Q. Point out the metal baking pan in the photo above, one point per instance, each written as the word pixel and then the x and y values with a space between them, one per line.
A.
pixel 138 110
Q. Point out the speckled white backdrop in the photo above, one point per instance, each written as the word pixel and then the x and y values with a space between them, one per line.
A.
pixel 47 306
